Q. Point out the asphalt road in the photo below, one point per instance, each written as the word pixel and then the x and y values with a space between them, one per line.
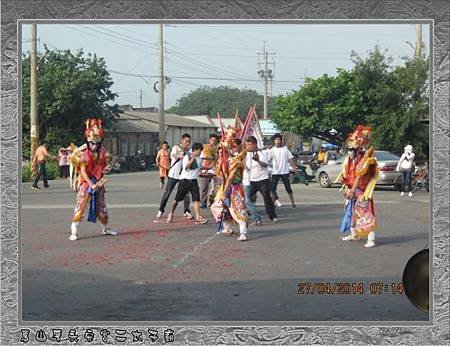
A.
pixel 186 272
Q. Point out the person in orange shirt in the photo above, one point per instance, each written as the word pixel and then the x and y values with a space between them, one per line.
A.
pixel 163 162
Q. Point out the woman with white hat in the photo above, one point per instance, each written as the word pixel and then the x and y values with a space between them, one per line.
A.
pixel 406 167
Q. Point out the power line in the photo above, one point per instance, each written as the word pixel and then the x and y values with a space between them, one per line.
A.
pixel 134 67
pixel 106 39
pixel 134 32
pixel 189 66
pixel 203 78
pixel 206 64
pixel 196 61
pixel 225 28
pixel 146 42
pixel 120 36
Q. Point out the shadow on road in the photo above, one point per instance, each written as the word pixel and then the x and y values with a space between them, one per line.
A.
pixel 69 296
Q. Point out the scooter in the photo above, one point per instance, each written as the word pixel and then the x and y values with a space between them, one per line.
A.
pixel 420 180
pixel 116 167
pixel 301 176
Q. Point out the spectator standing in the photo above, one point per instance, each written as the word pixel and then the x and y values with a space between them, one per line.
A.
pixel 406 167
pixel 163 162
pixel 281 157
pixel 63 161
pixel 40 158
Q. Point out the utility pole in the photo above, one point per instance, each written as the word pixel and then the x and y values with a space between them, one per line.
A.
pixel 265 74
pixel 34 131
pixel 140 97
pixel 162 132
pixel 265 80
pixel 418 50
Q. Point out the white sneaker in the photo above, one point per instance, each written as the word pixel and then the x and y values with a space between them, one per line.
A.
pixel 410 194
pixel 159 214
pixel 227 231
pixel 188 215
pixel 275 220
pixel 74 231
pixel 169 218
pixel 242 237
pixel 109 231
pixel 402 194
pixel 278 203
pixel 349 237
pixel 73 237
pixel 370 243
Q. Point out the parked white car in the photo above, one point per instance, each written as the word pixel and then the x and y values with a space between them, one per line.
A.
pixel 387 162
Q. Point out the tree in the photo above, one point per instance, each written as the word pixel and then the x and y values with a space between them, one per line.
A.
pixel 71 88
pixel 321 105
pixel 390 100
pixel 396 100
pixel 223 99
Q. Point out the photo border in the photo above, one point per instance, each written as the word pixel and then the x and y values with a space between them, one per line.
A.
pixel 436 12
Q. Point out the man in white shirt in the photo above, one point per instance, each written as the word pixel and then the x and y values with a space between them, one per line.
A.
pixel 257 163
pixel 281 158
pixel 191 164
pixel 177 153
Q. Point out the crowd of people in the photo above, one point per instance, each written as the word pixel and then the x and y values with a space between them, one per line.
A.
pixel 224 175
pixel 40 158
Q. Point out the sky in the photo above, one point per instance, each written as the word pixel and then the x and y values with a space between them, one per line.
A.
pixel 223 54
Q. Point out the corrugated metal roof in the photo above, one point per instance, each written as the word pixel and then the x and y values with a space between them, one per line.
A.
pixel 129 123
pixel 202 118
pixel 170 119
pixel 226 122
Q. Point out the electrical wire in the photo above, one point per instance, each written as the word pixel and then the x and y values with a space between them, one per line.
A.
pixel 106 39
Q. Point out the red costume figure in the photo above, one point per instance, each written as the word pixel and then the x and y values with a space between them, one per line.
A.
pixel 91 162
pixel 359 176
pixel 229 205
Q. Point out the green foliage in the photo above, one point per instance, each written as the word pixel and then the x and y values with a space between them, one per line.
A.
pixel 223 99
pixel 52 170
pixel 26 172
pixel 71 88
pixel 392 100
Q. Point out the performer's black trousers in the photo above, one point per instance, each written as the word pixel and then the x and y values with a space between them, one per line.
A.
pixel 285 179
pixel 264 186
pixel 171 183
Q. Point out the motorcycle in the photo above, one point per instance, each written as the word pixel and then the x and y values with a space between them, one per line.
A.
pixel 420 180
pixel 116 167
pixel 301 176
pixel 141 164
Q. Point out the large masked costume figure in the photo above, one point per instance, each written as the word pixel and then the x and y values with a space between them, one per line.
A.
pixel 90 161
pixel 359 175
pixel 229 204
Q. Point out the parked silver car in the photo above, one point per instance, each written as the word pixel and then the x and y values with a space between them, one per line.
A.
pixel 387 162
